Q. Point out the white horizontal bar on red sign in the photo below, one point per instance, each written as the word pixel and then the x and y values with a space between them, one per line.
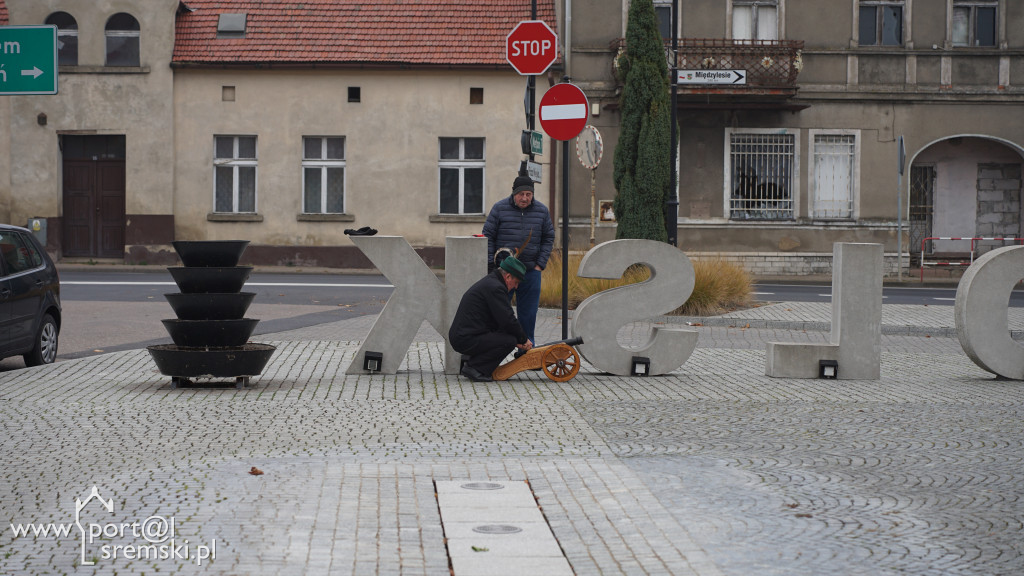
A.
pixel 563 112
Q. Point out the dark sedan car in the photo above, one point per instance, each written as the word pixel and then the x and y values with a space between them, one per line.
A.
pixel 29 298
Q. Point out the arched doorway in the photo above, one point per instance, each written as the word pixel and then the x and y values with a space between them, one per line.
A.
pixel 964 187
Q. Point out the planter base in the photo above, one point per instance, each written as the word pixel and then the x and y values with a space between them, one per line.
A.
pixel 183 363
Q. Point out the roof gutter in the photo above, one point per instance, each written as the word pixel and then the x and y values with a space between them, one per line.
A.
pixel 334 66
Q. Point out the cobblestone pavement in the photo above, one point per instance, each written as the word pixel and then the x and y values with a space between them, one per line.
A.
pixel 714 469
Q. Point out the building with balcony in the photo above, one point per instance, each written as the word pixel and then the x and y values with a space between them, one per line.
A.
pixel 285 123
pixel 805 151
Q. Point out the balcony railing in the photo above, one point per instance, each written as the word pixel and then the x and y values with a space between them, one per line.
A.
pixel 772 64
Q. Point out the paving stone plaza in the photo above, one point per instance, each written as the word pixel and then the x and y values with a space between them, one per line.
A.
pixel 713 469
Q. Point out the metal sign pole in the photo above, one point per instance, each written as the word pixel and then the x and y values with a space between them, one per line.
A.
pixel 565 239
pixel 593 210
pixel 901 158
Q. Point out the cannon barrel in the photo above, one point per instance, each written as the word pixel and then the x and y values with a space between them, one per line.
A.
pixel 569 341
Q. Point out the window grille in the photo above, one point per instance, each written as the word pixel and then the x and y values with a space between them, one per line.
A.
pixel 762 176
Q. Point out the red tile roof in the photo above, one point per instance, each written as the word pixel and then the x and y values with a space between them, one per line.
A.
pixel 351 32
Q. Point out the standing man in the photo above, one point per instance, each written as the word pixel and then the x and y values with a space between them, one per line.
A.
pixel 521 221
pixel 485 329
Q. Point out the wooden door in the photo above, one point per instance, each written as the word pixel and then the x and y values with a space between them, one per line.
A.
pixel 94 197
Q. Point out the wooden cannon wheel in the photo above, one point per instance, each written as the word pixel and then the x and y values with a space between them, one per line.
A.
pixel 561 363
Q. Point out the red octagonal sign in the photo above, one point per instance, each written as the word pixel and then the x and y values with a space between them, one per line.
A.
pixel 531 47
pixel 563 111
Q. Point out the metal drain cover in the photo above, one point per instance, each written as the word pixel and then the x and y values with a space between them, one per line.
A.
pixel 481 486
pixel 497 529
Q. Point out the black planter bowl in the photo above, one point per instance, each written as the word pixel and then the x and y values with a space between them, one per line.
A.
pixel 248 360
pixel 201 306
pixel 227 280
pixel 210 253
pixel 212 333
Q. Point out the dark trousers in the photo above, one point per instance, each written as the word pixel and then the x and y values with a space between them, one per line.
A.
pixel 527 302
pixel 486 351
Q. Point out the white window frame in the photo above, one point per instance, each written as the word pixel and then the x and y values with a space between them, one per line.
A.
pixel 757 27
pixel 324 163
pixel 235 163
pixel 727 180
pixel 813 192
pixel 660 7
pixel 65 37
pixel 461 164
pixel 879 24
pixel 109 34
pixel 972 22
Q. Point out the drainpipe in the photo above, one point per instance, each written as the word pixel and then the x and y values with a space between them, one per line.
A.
pixel 567 41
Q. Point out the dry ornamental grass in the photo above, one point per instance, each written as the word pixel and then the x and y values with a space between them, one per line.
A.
pixel 719 286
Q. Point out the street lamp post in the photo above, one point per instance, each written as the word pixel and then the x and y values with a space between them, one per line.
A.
pixel 672 203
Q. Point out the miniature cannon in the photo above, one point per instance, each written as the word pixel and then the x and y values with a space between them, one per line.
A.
pixel 559 360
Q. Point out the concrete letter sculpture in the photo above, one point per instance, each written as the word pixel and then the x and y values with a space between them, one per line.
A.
pixel 598 318
pixel 856 338
pixel 982 324
pixel 418 295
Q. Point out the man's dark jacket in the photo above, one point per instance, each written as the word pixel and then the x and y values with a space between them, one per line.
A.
pixel 484 309
pixel 508 227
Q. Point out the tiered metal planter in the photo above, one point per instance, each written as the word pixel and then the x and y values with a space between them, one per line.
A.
pixel 210 333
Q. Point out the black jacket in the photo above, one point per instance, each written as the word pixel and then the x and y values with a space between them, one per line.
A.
pixel 508 226
pixel 484 309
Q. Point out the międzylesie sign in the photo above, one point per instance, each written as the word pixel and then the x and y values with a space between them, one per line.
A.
pixel 28 60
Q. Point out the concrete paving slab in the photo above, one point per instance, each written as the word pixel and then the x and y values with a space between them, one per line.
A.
pixel 486 564
pixel 712 469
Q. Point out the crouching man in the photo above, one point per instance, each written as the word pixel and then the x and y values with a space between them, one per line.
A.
pixel 485 328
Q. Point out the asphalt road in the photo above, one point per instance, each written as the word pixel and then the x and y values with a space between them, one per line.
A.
pixel 107 311
pixel 111 311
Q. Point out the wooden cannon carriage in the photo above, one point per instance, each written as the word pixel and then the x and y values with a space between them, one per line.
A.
pixel 559 361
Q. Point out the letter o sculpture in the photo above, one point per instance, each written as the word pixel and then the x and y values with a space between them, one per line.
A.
pixel 981 312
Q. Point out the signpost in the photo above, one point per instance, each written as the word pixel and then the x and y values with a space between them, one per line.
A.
pixel 563 114
pixel 563 111
pixel 28 60
pixel 531 47
pixel 711 76
pixel 901 159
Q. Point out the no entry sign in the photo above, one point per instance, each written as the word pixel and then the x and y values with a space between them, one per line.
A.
pixel 531 47
pixel 563 111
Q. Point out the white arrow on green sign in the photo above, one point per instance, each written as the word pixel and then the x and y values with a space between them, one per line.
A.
pixel 711 77
pixel 28 60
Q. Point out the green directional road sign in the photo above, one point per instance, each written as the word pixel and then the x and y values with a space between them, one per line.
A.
pixel 28 60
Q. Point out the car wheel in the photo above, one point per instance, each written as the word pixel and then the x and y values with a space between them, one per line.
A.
pixel 45 349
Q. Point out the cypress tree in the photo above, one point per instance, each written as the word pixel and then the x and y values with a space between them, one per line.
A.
pixel 642 154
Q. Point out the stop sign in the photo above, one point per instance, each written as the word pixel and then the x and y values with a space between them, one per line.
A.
pixel 531 47
pixel 563 111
